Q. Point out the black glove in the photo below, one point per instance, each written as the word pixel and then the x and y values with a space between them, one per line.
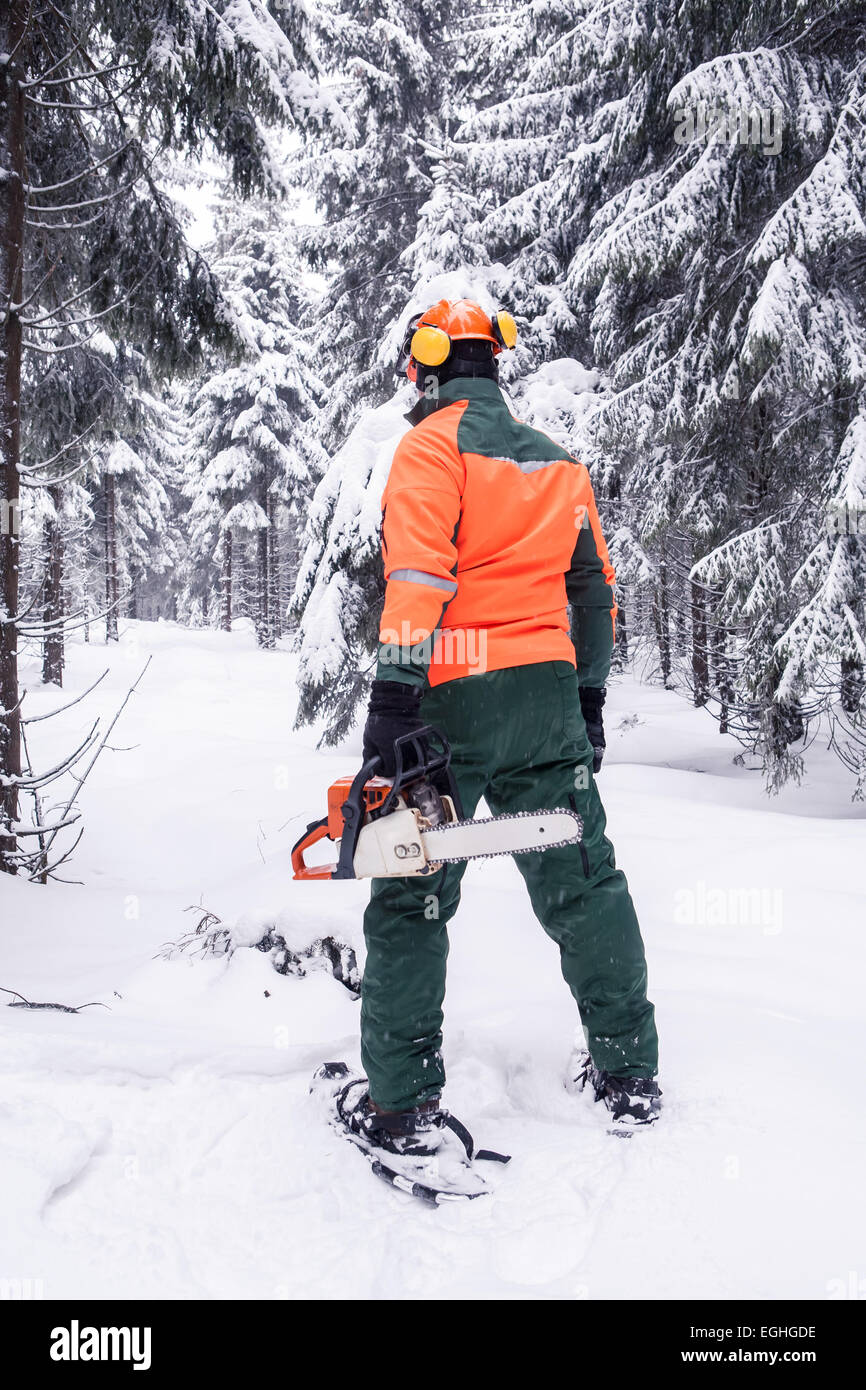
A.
pixel 394 709
pixel 591 703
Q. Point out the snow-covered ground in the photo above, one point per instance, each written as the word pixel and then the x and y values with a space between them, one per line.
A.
pixel 166 1146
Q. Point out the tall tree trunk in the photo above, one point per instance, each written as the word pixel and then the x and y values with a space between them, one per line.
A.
pixel 13 23
pixel 851 685
pixel 226 583
pixel 275 608
pixel 250 577
pixel 700 655
pixel 620 646
pixel 262 589
pixel 289 572
pixel 112 592
pixel 52 611
pixel 661 618
pixel 680 604
pixel 722 676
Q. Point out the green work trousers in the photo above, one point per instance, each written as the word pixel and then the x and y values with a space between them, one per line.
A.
pixel 517 738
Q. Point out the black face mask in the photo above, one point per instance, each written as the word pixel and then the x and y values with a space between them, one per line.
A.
pixel 468 366
pixel 469 357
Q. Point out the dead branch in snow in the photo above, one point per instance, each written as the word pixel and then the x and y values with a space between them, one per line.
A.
pixel 58 1008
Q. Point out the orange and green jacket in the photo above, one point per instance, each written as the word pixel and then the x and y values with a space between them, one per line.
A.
pixel 489 532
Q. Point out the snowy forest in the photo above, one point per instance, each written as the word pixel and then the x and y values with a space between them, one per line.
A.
pixel 216 219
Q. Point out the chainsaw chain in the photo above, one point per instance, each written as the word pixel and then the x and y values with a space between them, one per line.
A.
pixel 500 853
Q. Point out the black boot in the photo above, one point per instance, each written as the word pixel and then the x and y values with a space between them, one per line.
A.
pixel 408 1133
pixel 425 1151
pixel 631 1100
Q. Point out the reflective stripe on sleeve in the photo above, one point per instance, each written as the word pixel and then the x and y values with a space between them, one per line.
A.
pixel 422 577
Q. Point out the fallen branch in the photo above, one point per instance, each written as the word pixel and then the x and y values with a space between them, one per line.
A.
pixel 58 1008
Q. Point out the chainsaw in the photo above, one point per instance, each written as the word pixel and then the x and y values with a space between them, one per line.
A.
pixel 413 823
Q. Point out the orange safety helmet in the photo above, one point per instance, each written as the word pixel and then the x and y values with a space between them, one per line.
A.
pixel 430 335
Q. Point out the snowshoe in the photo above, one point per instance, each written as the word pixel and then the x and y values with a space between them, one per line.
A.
pixel 427 1153
pixel 631 1100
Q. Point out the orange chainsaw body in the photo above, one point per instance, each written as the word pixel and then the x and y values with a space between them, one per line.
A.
pixel 331 827
pixel 375 793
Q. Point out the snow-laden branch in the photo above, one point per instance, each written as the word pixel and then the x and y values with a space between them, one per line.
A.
pixel 37 718
pixel 84 106
pixel 75 76
pixel 73 299
pixel 80 781
pixel 74 178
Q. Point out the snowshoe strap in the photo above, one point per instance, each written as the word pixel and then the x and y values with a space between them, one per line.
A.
pixel 469 1143
pixel 442 1117
pixel 403 1124
pixel 340 1099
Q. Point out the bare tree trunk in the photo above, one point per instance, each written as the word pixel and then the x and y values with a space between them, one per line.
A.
pixel 851 685
pixel 249 578
pixel 289 572
pixel 661 618
pixel 262 589
pixel 700 655
pixel 52 611
pixel 722 677
pixel 226 583
pixel 621 639
pixel 13 23
pixel 275 608
pixel 112 592
pixel 680 606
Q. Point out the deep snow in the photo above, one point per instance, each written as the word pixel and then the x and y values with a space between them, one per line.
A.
pixel 166 1147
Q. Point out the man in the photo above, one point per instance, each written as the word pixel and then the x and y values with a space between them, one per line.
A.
pixel 489 532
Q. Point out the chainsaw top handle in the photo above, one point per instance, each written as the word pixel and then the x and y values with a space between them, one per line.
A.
pixel 422 755
pixel 417 758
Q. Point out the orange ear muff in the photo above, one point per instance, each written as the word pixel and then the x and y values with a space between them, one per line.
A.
pixel 504 329
pixel 430 346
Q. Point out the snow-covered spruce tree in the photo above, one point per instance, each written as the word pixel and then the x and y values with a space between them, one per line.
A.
pixel 254 451
pixel 723 281
pixel 676 188
pixel 90 95
pixel 395 64
pixel 157 573
pixel 535 153
pixel 338 595
pixel 133 516
pixel 69 403
pixel 93 421
pixel 534 147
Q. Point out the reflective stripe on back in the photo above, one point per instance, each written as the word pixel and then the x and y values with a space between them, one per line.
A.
pixel 533 465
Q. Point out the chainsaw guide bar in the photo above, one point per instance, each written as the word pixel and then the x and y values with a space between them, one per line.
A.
pixel 547 830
